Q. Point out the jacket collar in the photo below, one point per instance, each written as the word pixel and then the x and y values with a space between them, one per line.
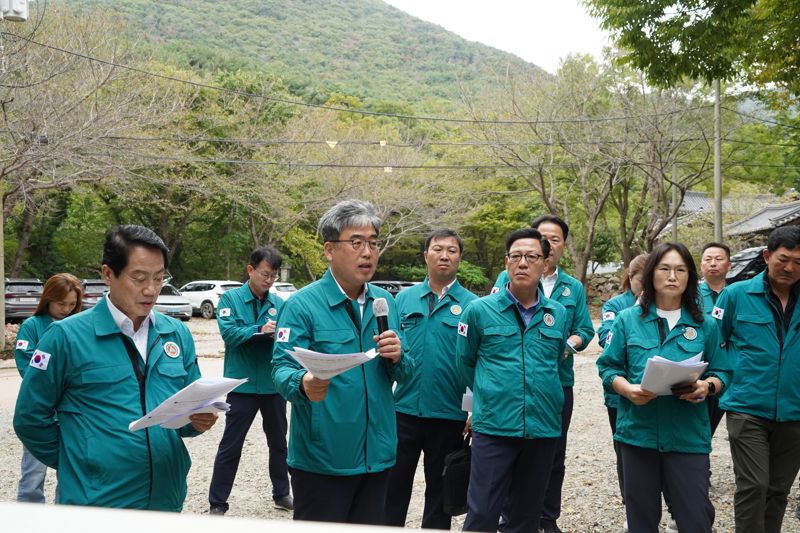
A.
pixel 104 323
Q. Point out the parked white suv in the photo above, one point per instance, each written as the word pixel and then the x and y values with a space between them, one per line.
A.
pixel 282 290
pixel 204 294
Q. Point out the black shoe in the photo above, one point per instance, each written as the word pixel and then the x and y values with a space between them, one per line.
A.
pixel 284 502
pixel 549 526
pixel 217 510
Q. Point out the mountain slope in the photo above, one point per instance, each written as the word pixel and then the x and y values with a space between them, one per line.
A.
pixel 362 47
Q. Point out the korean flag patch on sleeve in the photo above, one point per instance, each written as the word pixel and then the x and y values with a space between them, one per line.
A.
pixel 609 315
pixel 282 335
pixel 226 311
pixel 462 329
pixel 718 313
pixel 40 360
pixel 22 344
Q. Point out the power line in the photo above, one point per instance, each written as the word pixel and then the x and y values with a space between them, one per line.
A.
pixel 760 119
pixel 390 167
pixel 333 144
pixel 344 109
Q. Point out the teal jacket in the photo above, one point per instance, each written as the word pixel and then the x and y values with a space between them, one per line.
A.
pixel 435 389
pixel 708 300
pixel 240 316
pixel 666 423
pixel 353 430
pixel 513 374
pixel 765 354
pixel 88 382
pixel 608 316
pixel 570 293
pixel 28 338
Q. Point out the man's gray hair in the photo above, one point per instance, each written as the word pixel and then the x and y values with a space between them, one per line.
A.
pixel 347 214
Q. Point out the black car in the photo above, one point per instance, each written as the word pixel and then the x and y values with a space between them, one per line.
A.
pixel 746 264
pixel 393 287
pixel 22 297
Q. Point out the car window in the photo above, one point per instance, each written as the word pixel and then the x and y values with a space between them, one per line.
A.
pixel 189 287
pixel 169 290
pixel 23 287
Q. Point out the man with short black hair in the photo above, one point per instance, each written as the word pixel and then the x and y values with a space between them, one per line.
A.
pixel 569 292
pixel 508 352
pixel 428 405
pixel 760 324
pixel 246 317
pixel 104 368
pixel 343 435
pixel 715 262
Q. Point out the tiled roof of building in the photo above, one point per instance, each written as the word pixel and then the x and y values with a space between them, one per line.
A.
pixel 766 219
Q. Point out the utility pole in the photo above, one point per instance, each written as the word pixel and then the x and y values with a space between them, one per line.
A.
pixel 717 164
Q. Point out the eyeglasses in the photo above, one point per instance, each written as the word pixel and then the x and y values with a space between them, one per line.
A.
pixel 530 257
pixel 141 280
pixel 267 275
pixel 677 271
pixel 358 244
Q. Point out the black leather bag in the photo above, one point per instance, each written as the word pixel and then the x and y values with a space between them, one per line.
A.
pixel 456 479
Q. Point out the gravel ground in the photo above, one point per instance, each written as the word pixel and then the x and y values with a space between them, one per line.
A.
pixel 591 502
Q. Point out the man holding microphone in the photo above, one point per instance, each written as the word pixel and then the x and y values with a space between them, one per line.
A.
pixel 343 432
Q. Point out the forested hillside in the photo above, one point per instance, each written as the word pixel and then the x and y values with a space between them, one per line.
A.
pixel 364 48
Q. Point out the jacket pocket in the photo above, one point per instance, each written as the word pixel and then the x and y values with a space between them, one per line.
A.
pixel 334 340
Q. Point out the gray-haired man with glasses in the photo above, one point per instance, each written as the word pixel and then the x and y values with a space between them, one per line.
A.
pixel 246 318
pixel 343 432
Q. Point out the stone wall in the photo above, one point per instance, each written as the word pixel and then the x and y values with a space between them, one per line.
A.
pixel 601 287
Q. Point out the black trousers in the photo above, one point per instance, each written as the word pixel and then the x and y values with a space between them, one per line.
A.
pixel 766 459
pixel 685 475
pixel 612 421
pixel 552 500
pixel 435 437
pixel 358 499
pixel 237 423
pixel 508 470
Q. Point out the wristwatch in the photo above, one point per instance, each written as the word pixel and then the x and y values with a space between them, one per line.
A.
pixel 712 388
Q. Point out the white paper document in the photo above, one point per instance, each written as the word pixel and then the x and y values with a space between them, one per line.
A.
pixel 325 365
pixel 660 374
pixel 206 395
pixel 466 401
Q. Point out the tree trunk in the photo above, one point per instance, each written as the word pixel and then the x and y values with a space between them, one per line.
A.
pixel 24 240
pixel 2 269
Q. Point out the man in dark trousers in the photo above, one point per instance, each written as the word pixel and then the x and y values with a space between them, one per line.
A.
pixel 246 317
pixel 760 324
pixel 429 415
pixel 509 347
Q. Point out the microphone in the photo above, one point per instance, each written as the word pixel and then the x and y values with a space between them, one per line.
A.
pixel 380 308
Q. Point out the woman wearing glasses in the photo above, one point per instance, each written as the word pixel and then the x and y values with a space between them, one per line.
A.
pixel 665 440
pixel 61 298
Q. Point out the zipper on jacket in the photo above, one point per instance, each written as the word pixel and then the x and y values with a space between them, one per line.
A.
pixel 779 329
pixel 521 324
pixel 348 305
pixel 141 379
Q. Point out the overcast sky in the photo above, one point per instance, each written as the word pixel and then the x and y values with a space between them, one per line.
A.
pixel 539 31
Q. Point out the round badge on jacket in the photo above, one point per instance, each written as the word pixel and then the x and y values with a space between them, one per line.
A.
pixel 690 333
pixel 549 320
pixel 272 312
pixel 172 350
pixel 566 291
pixel 455 309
